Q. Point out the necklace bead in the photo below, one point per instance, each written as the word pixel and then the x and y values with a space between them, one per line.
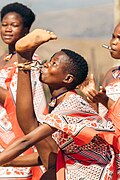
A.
pixel 9 56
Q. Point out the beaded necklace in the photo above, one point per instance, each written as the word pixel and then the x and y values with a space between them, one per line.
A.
pixel 54 100
pixel 9 56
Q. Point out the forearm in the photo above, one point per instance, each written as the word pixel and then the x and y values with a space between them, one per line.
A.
pixel 107 102
pixel 24 143
pixel 29 160
pixel 104 101
pixel 13 151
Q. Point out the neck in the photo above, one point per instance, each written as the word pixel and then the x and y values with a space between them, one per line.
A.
pixel 11 49
pixel 57 92
pixel 57 97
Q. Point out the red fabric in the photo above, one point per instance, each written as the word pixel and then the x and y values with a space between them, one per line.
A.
pixel 11 112
pixel 114 115
pixel 60 166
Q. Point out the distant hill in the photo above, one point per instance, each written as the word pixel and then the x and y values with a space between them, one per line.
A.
pixel 90 22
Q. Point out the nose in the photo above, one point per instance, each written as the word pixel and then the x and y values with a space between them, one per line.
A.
pixel 46 64
pixel 114 41
pixel 8 28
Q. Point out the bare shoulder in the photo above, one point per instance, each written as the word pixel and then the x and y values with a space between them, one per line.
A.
pixel 108 78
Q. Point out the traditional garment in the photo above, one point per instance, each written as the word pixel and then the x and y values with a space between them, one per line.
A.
pixel 9 128
pixel 112 91
pixel 85 140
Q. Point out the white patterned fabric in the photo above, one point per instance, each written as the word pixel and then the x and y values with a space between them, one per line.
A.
pixel 82 136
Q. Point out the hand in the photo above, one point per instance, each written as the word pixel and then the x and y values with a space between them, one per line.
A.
pixel 101 96
pixel 98 96
pixel 88 87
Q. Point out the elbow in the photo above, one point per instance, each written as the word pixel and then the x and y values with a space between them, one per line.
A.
pixel 24 144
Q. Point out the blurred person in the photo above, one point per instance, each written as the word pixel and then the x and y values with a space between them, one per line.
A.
pixel 85 140
pixel 16 20
pixel 107 100
pixel 110 89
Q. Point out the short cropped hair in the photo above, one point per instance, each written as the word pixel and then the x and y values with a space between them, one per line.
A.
pixel 77 66
pixel 26 13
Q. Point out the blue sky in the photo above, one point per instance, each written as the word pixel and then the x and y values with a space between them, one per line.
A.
pixel 51 5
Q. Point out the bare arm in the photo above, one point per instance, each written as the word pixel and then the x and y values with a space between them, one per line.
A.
pixel 25 111
pixel 25 142
pixel 25 161
pixel 47 148
pixel 25 47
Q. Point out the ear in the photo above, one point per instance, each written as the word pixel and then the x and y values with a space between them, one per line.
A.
pixel 69 78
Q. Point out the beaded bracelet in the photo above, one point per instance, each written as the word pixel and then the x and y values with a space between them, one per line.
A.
pixel 30 65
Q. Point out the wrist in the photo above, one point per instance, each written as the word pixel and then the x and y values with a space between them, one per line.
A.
pixel 105 102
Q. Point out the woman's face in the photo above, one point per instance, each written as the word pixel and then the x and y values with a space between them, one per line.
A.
pixel 115 43
pixel 12 28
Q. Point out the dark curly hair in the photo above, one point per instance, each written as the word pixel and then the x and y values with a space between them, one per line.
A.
pixel 77 66
pixel 26 13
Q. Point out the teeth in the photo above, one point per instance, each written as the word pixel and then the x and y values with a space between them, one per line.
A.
pixel 106 46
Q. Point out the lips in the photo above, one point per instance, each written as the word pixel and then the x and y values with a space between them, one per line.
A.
pixel 43 70
pixel 113 49
pixel 7 36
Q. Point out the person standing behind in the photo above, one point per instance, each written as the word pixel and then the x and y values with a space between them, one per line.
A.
pixel 16 20
pixel 108 97
pixel 111 83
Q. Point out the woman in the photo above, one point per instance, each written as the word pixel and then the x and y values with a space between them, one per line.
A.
pixel 111 82
pixel 84 139
pixel 16 20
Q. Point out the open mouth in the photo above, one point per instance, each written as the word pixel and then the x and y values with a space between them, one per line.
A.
pixel 43 70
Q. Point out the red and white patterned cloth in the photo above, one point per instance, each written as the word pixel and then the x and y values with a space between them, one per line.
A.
pixel 112 91
pixel 85 141
pixel 9 128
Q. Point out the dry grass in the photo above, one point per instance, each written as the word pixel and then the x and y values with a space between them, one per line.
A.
pixel 98 58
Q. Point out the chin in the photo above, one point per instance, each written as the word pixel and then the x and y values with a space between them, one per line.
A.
pixel 7 42
pixel 115 56
pixel 40 78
